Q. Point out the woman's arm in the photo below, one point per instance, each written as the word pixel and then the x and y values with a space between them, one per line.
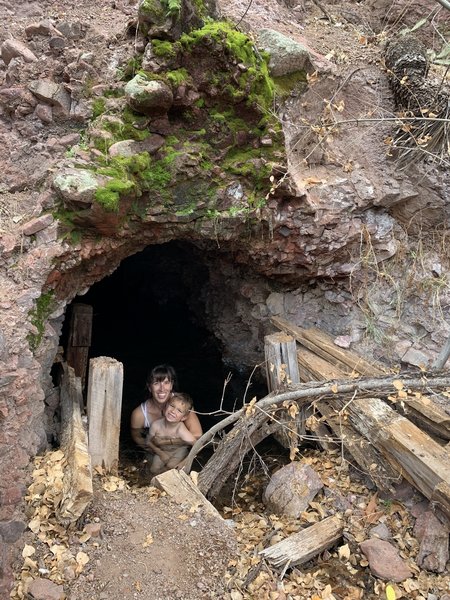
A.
pixel 137 427
pixel 193 424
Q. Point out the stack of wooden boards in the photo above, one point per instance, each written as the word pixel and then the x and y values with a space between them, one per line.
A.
pixel 396 434
pixel 320 359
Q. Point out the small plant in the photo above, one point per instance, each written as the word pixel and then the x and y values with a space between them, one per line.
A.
pixel 174 8
pixel 44 306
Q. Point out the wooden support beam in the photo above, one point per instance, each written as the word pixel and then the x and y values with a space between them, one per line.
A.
pixel 183 490
pixel 304 545
pixel 80 332
pixel 77 485
pixel 281 372
pixel 365 455
pixel 281 361
pixel 412 452
pixel 322 344
pixel 427 415
pixel 317 367
pixel 104 411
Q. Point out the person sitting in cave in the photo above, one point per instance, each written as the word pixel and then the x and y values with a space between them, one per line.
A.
pixel 160 384
pixel 169 436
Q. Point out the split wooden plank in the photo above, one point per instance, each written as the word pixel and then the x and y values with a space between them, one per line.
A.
pixel 428 415
pixel 304 545
pixel 411 451
pixel 179 486
pixel 80 333
pixel 322 344
pixel 281 371
pixel 317 366
pixel 360 449
pixel 104 411
pixel 281 361
pixel 77 490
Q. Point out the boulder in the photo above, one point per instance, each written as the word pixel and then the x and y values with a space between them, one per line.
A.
pixel 291 489
pixel 286 55
pixel 384 560
pixel 76 186
pixel 14 48
pixel 148 96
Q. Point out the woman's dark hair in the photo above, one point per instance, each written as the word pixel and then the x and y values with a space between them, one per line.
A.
pixel 161 372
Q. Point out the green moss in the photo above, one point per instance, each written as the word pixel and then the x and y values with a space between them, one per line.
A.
pixel 131 68
pixel 255 84
pixel 152 8
pixel 157 177
pixel 126 178
pixel 286 83
pixel 173 8
pixel 43 308
pixel 109 195
pixel 164 49
pixel 200 8
pixel 177 77
pixel 123 128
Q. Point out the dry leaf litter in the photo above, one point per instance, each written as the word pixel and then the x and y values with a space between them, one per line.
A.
pixel 74 557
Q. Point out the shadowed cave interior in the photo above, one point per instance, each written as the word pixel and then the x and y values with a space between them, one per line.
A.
pixel 148 312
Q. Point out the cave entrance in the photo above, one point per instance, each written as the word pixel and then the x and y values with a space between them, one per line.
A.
pixel 152 310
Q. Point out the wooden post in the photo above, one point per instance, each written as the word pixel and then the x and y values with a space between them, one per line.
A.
pixel 281 372
pixel 440 361
pixel 104 411
pixel 77 485
pixel 79 340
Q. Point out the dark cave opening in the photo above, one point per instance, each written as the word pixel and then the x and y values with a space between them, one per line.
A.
pixel 151 311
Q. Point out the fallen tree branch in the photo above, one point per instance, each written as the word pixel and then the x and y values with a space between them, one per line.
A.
pixel 314 390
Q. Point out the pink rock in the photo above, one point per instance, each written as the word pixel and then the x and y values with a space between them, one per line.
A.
pixel 384 560
pixel 291 489
pixel 37 224
pixel 44 113
pixel 13 48
pixel 44 589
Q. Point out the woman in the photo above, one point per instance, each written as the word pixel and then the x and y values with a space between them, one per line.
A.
pixel 160 383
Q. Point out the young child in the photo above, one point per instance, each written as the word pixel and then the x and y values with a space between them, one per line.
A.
pixel 169 438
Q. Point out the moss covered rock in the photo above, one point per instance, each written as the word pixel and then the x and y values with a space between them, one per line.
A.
pixel 76 186
pixel 148 96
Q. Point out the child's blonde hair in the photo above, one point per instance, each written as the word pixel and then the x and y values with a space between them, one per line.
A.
pixel 185 398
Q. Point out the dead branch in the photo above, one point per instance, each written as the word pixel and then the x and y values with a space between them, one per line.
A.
pixel 257 414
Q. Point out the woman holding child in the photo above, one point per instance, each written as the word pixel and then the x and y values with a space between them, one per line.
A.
pixel 156 409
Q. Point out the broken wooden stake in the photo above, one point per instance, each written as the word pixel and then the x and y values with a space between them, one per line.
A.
pixel 304 545
pixel 183 490
pixel 77 484
pixel 281 372
pixel 104 411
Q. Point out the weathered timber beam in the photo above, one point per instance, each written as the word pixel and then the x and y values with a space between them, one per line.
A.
pixel 427 415
pixel 77 484
pixel 183 490
pixel 280 351
pixel 304 545
pixel 362 451
pixel 322 344
pixel 422 460
pixel 104 411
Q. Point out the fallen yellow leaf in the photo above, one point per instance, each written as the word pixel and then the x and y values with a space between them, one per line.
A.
pixel 390 593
